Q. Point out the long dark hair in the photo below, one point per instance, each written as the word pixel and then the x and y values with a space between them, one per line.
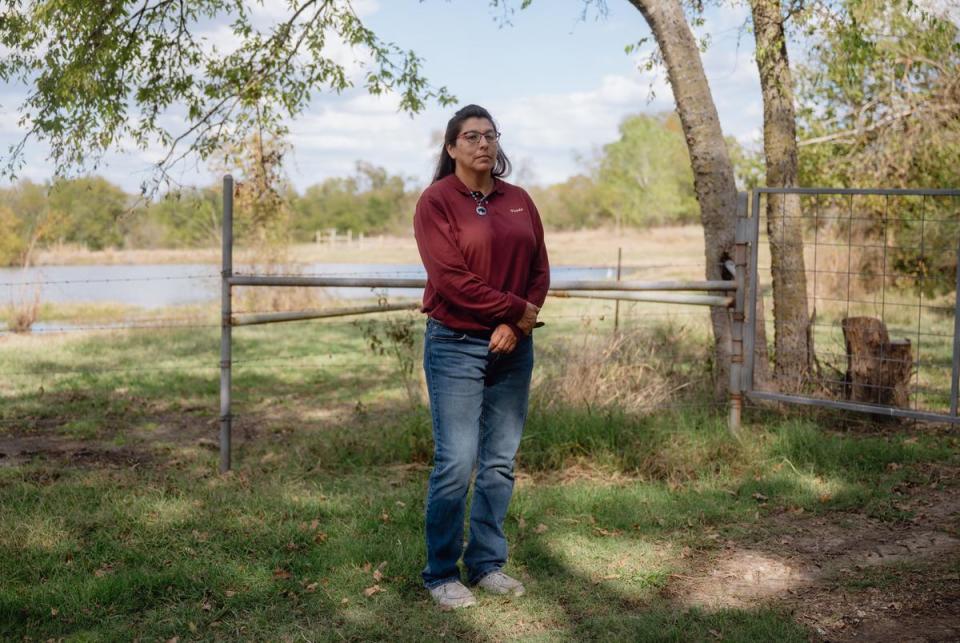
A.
pixel 446 165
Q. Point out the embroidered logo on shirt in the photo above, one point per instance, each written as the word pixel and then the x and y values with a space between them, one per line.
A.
pixel 516 210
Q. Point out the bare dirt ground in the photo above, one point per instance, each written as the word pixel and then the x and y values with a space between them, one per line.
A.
pixel 847 576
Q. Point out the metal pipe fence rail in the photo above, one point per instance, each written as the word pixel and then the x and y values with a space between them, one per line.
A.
pixel 884 270
pixel 673 292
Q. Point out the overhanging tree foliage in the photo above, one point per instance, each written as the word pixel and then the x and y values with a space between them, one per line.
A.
pixel 882 89
pixel 110 75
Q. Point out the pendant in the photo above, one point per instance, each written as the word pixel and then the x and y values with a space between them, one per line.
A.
pixel 481 210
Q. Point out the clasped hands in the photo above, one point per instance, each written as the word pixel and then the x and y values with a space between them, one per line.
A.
pixel 503 340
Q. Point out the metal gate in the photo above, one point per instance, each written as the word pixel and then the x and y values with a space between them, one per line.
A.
pixel 892 256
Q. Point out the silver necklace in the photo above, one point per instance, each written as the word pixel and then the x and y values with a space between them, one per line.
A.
pixel 481 202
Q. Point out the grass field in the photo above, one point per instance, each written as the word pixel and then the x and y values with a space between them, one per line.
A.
pixel 631 497
pixel 635 517
pixel 582 247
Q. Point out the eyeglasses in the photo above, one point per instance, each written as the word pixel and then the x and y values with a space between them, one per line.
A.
pixel 473 137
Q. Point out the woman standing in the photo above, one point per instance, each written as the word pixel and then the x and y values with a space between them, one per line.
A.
pixel 481 241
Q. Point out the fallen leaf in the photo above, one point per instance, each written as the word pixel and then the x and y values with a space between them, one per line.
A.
pixel 377 575
pixel 400 503
pixel 192 626
pixel 320 538
pixel 373 589
pixel 230 593
pixel 314 524
pixel 600 531
pixel 825 497
pixel 281 574
pixel 344 601
pixel 367 567
pixel 175 639
pixel 292 546
pixel 382 566
pixel 54 611
pixel 207 606
pixel 541 528
pixel 312 587
pixel 759 497
pixel 385 517
pixel 521 523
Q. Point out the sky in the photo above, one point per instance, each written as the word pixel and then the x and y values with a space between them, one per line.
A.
pixel 557 82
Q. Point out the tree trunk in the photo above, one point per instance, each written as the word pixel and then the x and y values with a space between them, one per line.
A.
pixel 793 349
pixel 712 170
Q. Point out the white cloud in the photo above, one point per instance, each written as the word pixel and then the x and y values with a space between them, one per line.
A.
pixel 944 9
pixel 279 9
pixel 546 134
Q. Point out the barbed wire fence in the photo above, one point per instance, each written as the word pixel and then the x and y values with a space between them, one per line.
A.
pixel 598 317
pixel 844 280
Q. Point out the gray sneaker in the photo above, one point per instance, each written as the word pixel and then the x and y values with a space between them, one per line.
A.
pixel 499 583
pixel 453 595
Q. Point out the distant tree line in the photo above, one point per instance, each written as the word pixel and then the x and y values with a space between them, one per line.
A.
pixel 642 179
pixel 93 213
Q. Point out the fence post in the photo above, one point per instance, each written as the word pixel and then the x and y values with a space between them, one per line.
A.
pixel 740 248
pixel 955 372
pixel 226 309
pixel 616 309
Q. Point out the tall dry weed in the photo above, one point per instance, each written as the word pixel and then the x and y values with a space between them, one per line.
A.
pixel 274 261
pixel 634 371
pixel 23 312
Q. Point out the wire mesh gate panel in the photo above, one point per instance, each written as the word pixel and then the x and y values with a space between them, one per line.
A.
pixel 880 274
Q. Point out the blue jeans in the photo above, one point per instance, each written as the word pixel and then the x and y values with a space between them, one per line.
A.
pixel 478 401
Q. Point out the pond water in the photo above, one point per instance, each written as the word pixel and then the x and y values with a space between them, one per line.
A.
pixel 156 286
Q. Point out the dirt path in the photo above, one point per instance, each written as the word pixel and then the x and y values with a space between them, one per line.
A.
pixel 849 577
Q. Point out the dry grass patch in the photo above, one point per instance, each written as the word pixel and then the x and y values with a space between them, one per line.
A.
pixel 634 371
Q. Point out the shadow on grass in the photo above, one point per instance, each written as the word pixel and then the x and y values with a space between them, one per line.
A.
pixel 164 553
pixel 594 610
pixel 288 544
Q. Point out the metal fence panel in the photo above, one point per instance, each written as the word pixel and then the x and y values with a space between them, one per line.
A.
pixel 888 255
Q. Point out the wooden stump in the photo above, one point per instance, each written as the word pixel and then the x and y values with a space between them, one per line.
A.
pixel 878 370
pixel 897 371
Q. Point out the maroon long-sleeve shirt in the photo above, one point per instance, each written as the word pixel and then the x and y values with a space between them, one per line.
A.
pixel 481 270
